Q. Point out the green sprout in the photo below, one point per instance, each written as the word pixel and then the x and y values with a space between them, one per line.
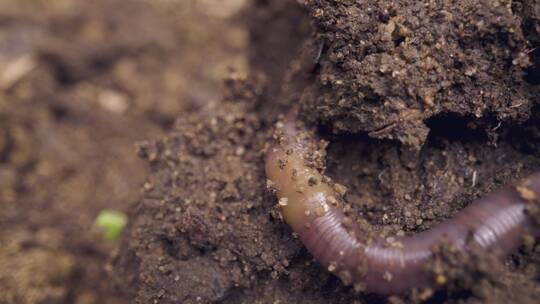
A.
pixel 112 224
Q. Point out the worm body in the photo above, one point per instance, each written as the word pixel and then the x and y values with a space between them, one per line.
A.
pixel 314 210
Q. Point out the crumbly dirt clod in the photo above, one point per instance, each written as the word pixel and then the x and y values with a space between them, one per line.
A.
pixel 482 275
pixel 389 66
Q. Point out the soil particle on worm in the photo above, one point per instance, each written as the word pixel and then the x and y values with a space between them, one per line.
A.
pixel 388 66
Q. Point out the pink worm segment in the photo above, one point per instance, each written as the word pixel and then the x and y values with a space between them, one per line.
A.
pixel 314 209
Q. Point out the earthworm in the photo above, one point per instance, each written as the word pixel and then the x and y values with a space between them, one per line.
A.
pixel 314 209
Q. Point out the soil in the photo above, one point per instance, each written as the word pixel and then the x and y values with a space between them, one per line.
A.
pixel 426 107
pixel 388 67
pixel 80 83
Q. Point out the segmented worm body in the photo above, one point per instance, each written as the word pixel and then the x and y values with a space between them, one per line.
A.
pixel 314 209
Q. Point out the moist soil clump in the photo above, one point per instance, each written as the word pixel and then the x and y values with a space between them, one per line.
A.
pixel 387 67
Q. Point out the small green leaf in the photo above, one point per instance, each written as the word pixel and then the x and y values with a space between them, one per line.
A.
pixel 112 224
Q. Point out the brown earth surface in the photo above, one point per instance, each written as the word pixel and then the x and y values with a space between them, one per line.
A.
pixel 426 106
pixel 80 83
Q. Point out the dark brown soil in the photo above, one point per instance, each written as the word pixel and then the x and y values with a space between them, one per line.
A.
pixel 387 67
pixel 417 131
